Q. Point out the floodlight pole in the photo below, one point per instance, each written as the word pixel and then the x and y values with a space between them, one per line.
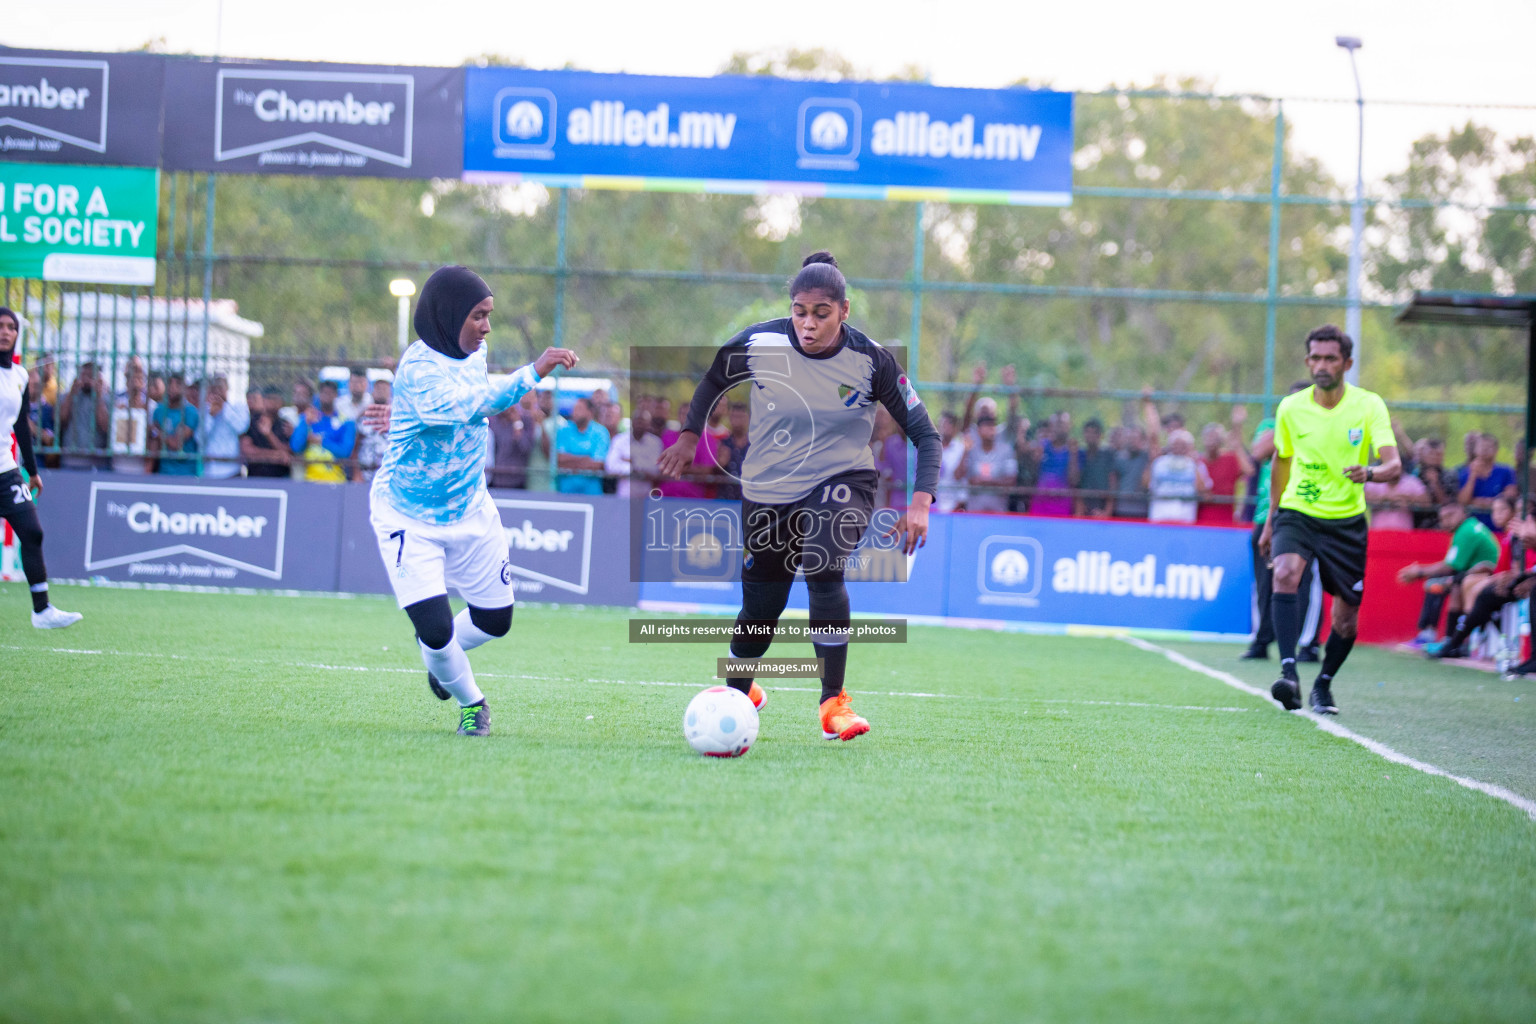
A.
pixel 1510 653
pixel 1356 216
pixel 402 288
pixel 1524 470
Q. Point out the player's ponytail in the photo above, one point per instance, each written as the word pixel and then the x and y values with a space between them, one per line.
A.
pixel 819 273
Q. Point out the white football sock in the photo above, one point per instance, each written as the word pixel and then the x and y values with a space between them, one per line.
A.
pixel 467 633
pixel 451 667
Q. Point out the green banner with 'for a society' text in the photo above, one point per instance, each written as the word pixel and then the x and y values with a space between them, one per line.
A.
pixel 67 222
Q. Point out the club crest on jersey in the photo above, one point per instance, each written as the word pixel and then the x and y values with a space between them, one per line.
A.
pixel 908 392
pixel 1356 435
pixel 849 396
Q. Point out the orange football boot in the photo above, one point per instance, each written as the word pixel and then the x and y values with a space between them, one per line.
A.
pixel 838 720
pixel 758 696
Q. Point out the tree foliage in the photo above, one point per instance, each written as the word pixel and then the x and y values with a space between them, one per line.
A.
pixel 1464 248
pixel 311 258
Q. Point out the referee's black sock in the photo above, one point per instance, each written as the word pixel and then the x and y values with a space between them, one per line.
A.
pixel 1334 652
pixel 1285 610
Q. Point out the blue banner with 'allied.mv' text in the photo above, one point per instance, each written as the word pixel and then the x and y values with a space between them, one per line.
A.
pixel 877 140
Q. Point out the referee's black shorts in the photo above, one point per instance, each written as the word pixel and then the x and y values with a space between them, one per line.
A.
pixel 1337 545
pixel 814 535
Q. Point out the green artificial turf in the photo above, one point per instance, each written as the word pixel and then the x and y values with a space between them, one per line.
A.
pixel 213 815
pixel 1455 717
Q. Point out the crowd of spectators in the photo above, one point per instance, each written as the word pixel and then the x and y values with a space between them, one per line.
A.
pixel 596 449
pixel 172 426
pixel 1151 466
pixel 996 459
pixel 1148 468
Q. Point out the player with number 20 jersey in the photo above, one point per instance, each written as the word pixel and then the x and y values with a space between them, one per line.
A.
pixel 18 505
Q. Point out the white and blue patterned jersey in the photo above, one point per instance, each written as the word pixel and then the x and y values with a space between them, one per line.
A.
pixel 434 469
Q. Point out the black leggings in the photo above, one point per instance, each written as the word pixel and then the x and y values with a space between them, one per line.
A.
pixel 29 534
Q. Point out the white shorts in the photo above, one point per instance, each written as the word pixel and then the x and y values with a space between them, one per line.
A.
pixel 424 559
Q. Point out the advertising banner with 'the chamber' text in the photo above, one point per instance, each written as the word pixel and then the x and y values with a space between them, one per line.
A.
pixel 60 106
pixel 282 117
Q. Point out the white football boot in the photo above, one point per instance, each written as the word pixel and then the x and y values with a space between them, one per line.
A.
pixel 54 618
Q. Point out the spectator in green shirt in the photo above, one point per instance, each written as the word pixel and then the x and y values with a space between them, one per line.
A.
pixel 1470 559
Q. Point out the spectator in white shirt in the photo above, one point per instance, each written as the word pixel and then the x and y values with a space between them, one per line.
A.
pixel 132 413
pixel 373 442
pixel 356 398
pixel 633 455
pixel 989 466
pixel 951 489
pixel 1177 481
pixel 222 424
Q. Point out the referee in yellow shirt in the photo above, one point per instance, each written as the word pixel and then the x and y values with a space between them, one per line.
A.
pixel 1324 437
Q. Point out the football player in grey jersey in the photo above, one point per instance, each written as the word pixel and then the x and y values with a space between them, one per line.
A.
pixel 808 480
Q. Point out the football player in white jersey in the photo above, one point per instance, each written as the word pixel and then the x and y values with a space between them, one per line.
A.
pixel 18 505
pixel 808 480
pixel 434 520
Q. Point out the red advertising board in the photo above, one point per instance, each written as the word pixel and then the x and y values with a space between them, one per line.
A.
pixel 1390 612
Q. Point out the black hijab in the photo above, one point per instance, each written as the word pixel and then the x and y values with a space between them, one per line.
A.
pixel 447 299
pixel 8 313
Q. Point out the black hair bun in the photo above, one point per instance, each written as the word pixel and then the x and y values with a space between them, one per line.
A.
pixel 820 257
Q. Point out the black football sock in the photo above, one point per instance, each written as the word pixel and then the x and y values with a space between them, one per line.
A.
pixel 829 618
pixel 1483 610
pixel 741 649
pixel 742 683
pixel 1285 610
pixel 1334 652
pixel 834 662
pixel 1429 615
pixel 761 605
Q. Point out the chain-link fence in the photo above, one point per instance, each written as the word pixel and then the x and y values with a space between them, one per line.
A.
pixel 1200 247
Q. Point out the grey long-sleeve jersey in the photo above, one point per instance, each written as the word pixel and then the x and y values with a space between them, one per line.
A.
pixel 813 415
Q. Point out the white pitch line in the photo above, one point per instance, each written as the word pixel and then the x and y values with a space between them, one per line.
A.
pixel 1144 704
pixel 328 667
pixel 1330 726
